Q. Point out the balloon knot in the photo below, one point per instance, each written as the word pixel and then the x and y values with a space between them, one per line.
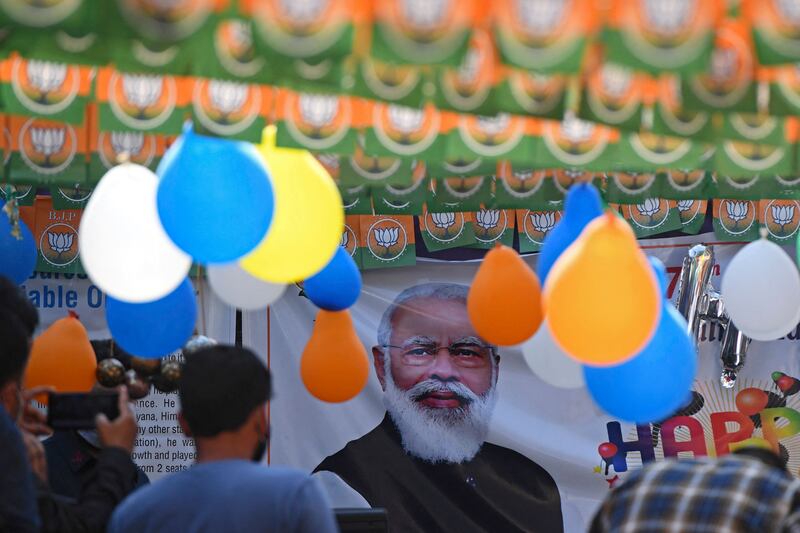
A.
pixel 74 315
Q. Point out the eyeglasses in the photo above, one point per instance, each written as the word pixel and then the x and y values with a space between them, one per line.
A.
pixel 462 354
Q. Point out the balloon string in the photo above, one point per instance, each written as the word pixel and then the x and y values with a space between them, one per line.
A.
pixel 202 299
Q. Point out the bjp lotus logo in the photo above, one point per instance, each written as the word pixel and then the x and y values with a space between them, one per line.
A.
pixel 47 147
pixel 753 156
pixel 649 214
pixel 736 216
pixel 301 28
pixel 226 107
pixel 540 18
pixel 688 210
pixel 537 94
pixel 469 86
pixel 386 239
pixel 44 87
pixel 462 187
pixel 374 168
pixel 58 244
pixel 523 183
pixel 668 18
pixel 139 147
pixel 491 136
pixel 142 101
pixel 730 74
pixel 167 20
pixel 782 218
pixel 685 180
pixel 406 131
pixel 389 81
pixel 574 141
pixel 491 224
pixel 614 95
pixel 317 121
pixel 537 225
pixel 565 178
pixel 349 241
pixel 659 150
pixel 633 182
pixel 233 44
pixel 667 33
pixel 444 227
pixel 431 30
pixel 39 13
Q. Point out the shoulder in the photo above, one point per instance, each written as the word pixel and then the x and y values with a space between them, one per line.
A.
pixel 512 461
pixel 358 450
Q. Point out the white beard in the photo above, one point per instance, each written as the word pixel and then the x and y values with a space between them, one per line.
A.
pixel 440 435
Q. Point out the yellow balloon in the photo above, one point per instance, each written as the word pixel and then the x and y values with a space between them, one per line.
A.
pixel 309 218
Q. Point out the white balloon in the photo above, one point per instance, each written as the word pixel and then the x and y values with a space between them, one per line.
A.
pixel 237 288
pixel 547 361
pixel 761 291
pixel 123 247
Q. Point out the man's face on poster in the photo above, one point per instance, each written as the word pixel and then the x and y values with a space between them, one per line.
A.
pixel 439 378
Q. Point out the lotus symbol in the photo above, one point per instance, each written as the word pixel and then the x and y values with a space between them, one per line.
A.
pixel 318 110
pixel 685 205
pixel 723 64
pixel 127 142
pixel 241 34
pixel 426 15
pixel 141 90
pixel 302 12
pixel 444 221
pixel 668 16
pixel 650 207
pixel 782 215
pixel 345 239
pixel 470 68
pixel 737 211
pixel 616 80
pixel 543 222
pixel 488 219
pixel 60 242
pixel 386 237
pixel 576 130
pixel 789 9
pixel 540 17
pixel 47 141
pixel 493 126
pixel 45 77
pixel 406 119
pixel 227 96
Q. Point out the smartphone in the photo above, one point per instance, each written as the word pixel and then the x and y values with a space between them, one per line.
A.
pixel 78 410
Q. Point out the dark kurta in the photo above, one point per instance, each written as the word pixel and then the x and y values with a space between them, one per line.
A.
pixel 499 490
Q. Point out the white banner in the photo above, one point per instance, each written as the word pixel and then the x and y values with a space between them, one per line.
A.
pixel 559 430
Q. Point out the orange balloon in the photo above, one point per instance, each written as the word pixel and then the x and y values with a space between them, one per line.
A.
pixel 62 357
pixel 334 365
pixel 602 297
pixel 505 300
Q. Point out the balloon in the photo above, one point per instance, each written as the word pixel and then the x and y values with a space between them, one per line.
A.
pixel 334 365
pixel 607 450
pixel 309 217
pixel 504 301
pixel 582 205
pixel 62 357
pixel 17 255
pixel 601 295
pixel 123 247
pixel 654 384
pixel 239 289
pixel 153 329
pixel 761 291
pixel 337 286
pixel 547 361
pixel 751 401
pixel 215 197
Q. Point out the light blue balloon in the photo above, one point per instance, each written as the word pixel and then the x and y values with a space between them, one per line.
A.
pixel 656 383
pixel 582 205
pixel 153 329
pixel 215 197
pixel 337 286
pixel 17 256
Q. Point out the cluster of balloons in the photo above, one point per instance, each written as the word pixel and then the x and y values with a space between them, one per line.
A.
pixel 602 319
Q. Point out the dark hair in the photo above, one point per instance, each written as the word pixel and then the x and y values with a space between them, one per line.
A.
pixel 18 321
pixel 14 300
pixel 219 388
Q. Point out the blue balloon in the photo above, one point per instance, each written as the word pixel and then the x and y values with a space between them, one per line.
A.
pixel 581 207
pixel 17 256
pixel 215 197
pixel 337 286
pixel 656 383
pixel 153 329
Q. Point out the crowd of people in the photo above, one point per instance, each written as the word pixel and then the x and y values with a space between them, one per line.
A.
pixel 86 480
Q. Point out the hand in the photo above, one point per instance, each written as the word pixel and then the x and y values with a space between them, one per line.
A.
pixel 36 455
pixel 31 419
pixel 120 432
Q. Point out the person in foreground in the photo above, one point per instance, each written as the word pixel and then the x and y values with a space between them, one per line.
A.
pixel 223 394
pixel 747 491
pixel 427 462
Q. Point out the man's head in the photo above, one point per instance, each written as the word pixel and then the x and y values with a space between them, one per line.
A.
pixel 18 321
pixel 224 391
pixel 438 375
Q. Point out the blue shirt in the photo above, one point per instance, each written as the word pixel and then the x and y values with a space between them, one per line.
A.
pixel 230 496
pixel 18 508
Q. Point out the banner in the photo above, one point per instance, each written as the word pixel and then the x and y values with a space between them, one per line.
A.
pixel 542 441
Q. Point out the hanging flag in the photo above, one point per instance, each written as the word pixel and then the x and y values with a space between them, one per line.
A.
pixel 45 89
pixel 142 102
pixel 652 216
pixel 356 200
pixel 398 131
pixel 504 136
pixel 402 199
pixel 781 218
pixel 351 236
pixel 468 88
pixel 738 159
pixel 461 166
pixel 784 90
pixel 614 95
pixel 398 84
pixel 73 15
pixel 374 171
pixel 631 187
pixel 662 35
pixel 529 93
pixel 543 35
pixel 45 152
pixel 575 143
pixel 776 30
pixel 423 33
pixel 492 227
pixel 459 193
pixel 685 184
pixel 387 241
pixel 75 47
pixel 692 215
pixel 534 227
pixel 318 122
pixel 442 231
pixel 735 220
pixel 56 236
pixel 231 109
pixel 670 118
pixel 649 152
pixel 757 128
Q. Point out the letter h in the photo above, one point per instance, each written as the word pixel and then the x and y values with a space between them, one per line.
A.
pixel 643 445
